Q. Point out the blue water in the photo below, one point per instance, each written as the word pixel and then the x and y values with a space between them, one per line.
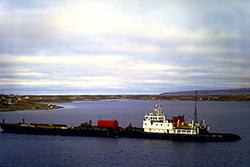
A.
pixel 41 150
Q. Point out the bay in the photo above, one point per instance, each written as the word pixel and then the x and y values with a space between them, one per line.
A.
pixel 42 150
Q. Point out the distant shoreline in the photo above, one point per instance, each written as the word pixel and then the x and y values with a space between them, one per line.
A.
pixel 70 98
pixel 44 102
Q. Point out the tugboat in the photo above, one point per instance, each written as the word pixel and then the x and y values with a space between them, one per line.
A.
pixel 157 123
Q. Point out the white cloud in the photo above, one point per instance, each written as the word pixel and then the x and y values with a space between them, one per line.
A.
pixel 93 18
pixel 147 66
pixel 123 45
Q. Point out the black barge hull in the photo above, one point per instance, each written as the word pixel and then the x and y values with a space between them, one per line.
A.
pixel 109 132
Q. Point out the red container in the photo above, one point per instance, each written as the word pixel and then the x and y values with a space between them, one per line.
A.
pixel 108 124
pixel 179 121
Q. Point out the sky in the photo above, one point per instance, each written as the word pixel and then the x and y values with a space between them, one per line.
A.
pixel 123 47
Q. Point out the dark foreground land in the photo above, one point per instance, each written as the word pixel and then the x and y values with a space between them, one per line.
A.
pixel 43 102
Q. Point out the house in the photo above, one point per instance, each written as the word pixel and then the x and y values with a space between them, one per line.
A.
pixel 11 99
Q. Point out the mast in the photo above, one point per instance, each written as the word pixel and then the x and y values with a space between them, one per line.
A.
pixel 159 110
pixel 195 110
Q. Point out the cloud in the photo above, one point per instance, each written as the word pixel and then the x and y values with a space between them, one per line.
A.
pixel 123 46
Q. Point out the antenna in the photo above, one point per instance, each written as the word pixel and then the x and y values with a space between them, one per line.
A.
pixel 195 111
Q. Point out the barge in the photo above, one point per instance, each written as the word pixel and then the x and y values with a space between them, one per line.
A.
pixel 155 126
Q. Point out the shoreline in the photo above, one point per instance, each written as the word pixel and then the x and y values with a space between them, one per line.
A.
pixel 27 105
pixel 71 98
pixel 36 102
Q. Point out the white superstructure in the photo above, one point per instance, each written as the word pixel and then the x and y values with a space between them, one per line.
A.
pixel 157 123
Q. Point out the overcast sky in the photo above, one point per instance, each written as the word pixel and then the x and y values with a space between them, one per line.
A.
pixel 123 47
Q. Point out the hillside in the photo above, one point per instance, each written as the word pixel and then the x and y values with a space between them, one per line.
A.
pixel 241 91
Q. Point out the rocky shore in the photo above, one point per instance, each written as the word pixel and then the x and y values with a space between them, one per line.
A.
pixel 43 102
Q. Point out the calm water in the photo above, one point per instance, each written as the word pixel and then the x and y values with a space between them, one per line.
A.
pixel 35 150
